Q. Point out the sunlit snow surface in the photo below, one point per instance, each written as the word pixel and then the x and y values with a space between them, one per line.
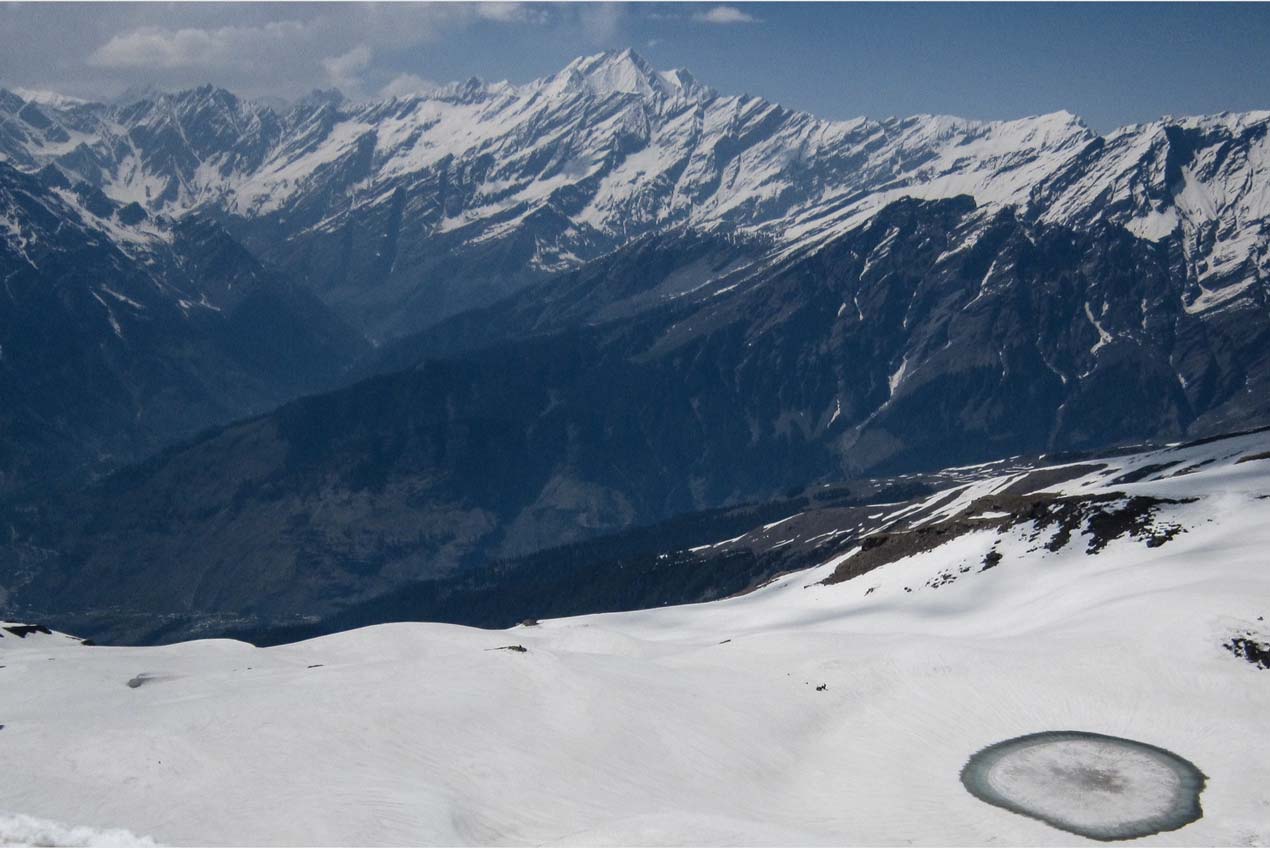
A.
pixel 25 830
pixel 1089 784
pixel 696 724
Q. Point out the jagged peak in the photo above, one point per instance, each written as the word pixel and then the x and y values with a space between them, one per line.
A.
pixel 626 72
pixel 137 94
pixel 1061 120
pixel 624 58
pixel 469 90
pixel 1230 121
pixel 1050 130
pixel 187 99
pixel 206 93
pixel 51 99
pixel 9 101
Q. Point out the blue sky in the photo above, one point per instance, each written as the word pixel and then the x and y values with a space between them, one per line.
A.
pixel 1110 63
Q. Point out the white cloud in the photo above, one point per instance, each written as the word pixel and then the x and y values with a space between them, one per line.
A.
pixel 510 13
pixel 345 71
pixel 725 15
pixel 191 47
pixel 28 830
pixel 600 21
pixel 263 50
pixel 404 85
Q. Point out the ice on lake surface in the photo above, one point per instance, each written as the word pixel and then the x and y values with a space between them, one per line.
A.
pixel 1100 787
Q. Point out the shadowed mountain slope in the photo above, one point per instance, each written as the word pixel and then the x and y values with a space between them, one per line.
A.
pixel 936 333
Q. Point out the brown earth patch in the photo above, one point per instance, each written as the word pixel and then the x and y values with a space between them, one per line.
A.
pixel 1142 473
pixel 23 630
pixel 1046 477
pixel 1106 516
pixel 1252 457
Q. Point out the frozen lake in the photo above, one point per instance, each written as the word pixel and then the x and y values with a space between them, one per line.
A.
pixel 1100 787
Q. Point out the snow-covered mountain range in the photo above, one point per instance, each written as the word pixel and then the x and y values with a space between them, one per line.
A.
pixel 1121 596
pixel 409 209
pixel 613 296
pixel 639 344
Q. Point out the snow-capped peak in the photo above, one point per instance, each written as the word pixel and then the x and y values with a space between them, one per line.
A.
pixel 631 149
pixel 48 98
pixel 626 72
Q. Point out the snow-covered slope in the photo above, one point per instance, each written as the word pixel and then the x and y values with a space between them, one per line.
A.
pixel 802 713
pixel 537 177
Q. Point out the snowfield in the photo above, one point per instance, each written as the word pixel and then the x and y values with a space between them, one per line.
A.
pixel 25 830
pixel 801 713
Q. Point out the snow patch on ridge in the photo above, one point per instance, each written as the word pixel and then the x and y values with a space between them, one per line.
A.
pixel 897 376
pixel 1154 225
pixel 1104 338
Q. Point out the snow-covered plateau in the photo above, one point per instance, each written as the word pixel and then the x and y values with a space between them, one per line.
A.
pixel 827 707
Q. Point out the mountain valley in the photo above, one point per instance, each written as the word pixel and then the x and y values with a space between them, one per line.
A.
pixel 604 458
